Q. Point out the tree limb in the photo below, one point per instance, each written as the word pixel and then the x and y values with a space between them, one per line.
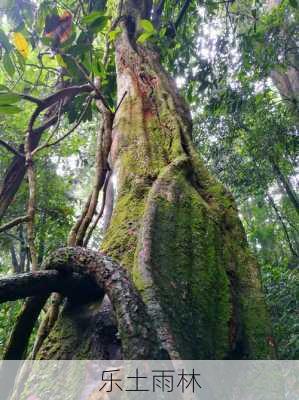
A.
pixel 115 281
pixel 70 91
pixel 15 173
pixel 75 270
pixel 99 216
pixel 182 13
pixel 14 222
pixel 39 283
pixel 67 133
pixel 11 148
pixel 104 141
pixel 16 346
pixel 157 13
pixel 31 202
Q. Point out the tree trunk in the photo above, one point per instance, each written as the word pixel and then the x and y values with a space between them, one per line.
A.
pixel 285 183
pixel 174 228
pixel 287 82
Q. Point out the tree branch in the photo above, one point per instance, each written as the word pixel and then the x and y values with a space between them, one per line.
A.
pixel 70 131
pixel 157 13
pixel 11 148
pixel 182 13
pixel 76 271
pixel 30 98
pixel 104 141
pixel 31 202
pixel 99 216
pixel 115 281
pixel 45 282
pixel 14 222
pixel 18 341
pixel 56 97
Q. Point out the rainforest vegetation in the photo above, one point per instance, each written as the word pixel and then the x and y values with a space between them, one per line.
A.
pixel 148 179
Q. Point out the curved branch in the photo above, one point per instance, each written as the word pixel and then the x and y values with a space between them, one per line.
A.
pixel 56 97
pixel 75 270
pixel 139 339
pixel 69 132
pixel 16 171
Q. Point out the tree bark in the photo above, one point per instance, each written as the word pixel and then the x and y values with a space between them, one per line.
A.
pixel 45 282
pixel 286 184
pixel 173 227
pixel 283 225
pixel 18 340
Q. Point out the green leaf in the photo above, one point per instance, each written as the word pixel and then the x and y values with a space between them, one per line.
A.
pixel 162 32
pixel 234 7
pixel 4 89
pixel 8 65
pixel 20 59
pixel 87 62
pixel 293 3
pixel 98 69
pixel 147 25
pixel 8 109
pixel 72 68
pixel 144 37
pixel 113 34
pixel 4 41
pixel 60 61
pixel 89 19
pixel 9 98
pixel 99 24
pixel 47 41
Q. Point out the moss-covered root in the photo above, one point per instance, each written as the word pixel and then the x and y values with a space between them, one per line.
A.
pixel 193 268
pixel 137 335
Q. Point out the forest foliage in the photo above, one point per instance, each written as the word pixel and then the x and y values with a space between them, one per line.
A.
pixel 222 55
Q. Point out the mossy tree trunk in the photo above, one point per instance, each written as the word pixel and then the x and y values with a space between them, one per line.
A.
pixel 173 226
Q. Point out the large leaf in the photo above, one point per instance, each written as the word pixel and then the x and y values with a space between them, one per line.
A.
pixel 9 98
pixel 147 25
pixel 99 24
pixel 60 61
pixel 89 19
pixel 8 64
pixel 4 88
pixel 8 109
pixel 4 41
pixel 21 44
pixel 144 37
pixel 113 34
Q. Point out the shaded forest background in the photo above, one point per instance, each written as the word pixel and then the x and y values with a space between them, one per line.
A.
pixel 226 56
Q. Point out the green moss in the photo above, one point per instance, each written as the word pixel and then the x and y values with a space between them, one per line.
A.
pixel 253 316
pixel 121 238
pixel 72 335
pixel 189 273
pixel 61 341
pixel 195 246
